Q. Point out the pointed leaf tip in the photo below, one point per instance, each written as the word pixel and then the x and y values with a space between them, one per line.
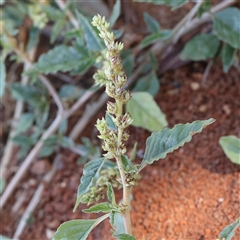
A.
pixel 159 144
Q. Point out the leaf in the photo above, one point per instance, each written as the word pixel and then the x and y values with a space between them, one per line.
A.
pixel 152 24
pixel 231 147
pixel 126 162
pixel 49 146
pixel 77 229
pixel 228 232
pixel 205 6
pixel 201 47
pixel 4 238
pixel 90 171
pixel 62 58
pixel 148 83
pixel 226 26
pixel 66 142
pixel 127 61
pixel 152 38
pixel 134 152
pixel 119 223
pixel 70 91
pixel 57 27
pixel 124 236
pixel 25 122
pixel 27 93
pixel 33 38
pixel 159 144
pixel 110 124
pixel 2 185
pixel 104 207
pixel 25 143
pixel 227 55
pixel 172 3
pixel 91 38
pixel 112 220
pixel 145 112
pixel 110 194
pixel 2 76
pixel 63 126
pixel 153 61
pixel 115 13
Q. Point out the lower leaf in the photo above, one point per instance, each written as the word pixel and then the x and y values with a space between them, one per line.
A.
pixel 77 229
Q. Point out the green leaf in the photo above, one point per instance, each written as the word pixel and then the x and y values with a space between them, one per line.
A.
pixel 27 93
pixel 148 83
pixel 112 220
pixel 124 236
pixel 205 6
pixel 2 76
pixel 127 61
pixel 145 112
pixel 119 223
pixel 159 144
pixel 2 184
pixel 47 150
pixel 49 146
pixel 33 38
pixel 134 152
pixel 201 47
pixel 110 194
pixel 91 38
pixel 115 13
pixel 231 147
pixel 228 232
pixel 171 3
pixel 154 37
pixel 63 127
pixel 62 58
pixel 57 27
pixel 110 124
pixel 25 143
pixel 77 229
pixel 25 122
pixel 152 24
pixel 4 238
pixel 228 54
pixel 226 26
pixel 90 171
pixel 104 207
pixel 153 61
pixel 70 91
pixel 66 142
pixel 126 162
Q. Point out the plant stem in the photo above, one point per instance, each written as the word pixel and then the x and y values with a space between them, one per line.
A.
pixel 126 190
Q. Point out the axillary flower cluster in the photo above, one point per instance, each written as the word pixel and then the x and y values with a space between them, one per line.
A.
pixel 114 78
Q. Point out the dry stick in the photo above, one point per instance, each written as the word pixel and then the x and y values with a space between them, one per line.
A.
pixel 206 72
pixel 182 29
pixel 61 115
pixel 36 198
pixel 17 113
pixel 187 20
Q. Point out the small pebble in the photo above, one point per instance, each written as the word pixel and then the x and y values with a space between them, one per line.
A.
pixel 194 86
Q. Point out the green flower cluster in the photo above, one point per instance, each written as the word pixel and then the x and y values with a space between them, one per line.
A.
pixel 98 191
pixel 113 76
